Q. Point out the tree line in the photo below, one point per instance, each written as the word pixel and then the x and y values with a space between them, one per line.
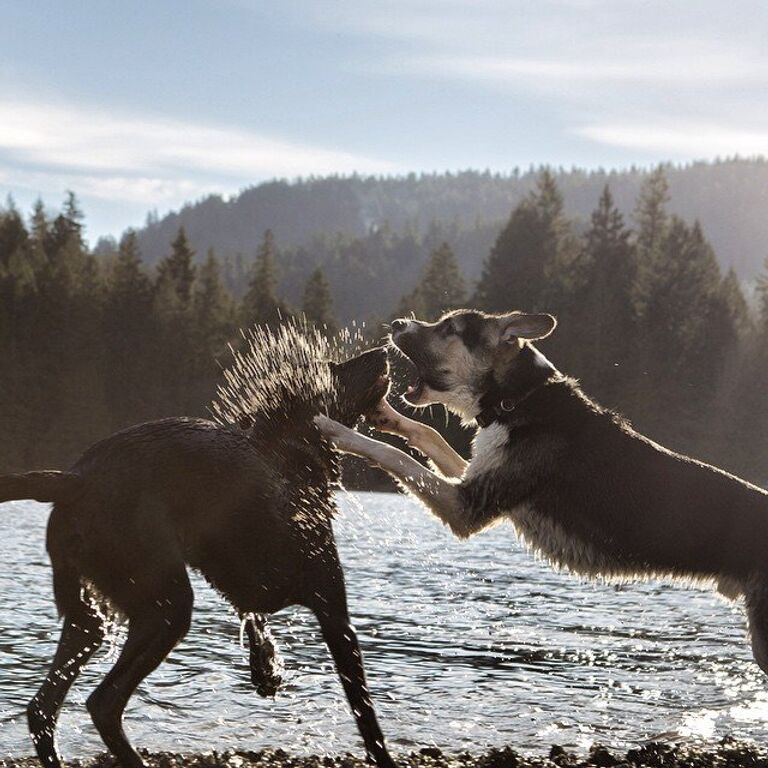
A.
pixel 92 343
pixel 730 195
pixel 91 340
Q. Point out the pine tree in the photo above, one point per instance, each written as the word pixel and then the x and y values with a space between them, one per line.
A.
pixel 735 303
pixel 176 273
pixel 174 320
pixel 260 304
pixel 682 333
pixel 525 265
pixel 606 270
pixel 651 214
pixel 128 281
pixel 652 222
pixel 213 307
pixel 412 305
pixel 317 304
pixel 442 285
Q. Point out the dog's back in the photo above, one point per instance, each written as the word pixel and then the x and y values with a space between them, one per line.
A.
pixel 593 495
pixel 192 490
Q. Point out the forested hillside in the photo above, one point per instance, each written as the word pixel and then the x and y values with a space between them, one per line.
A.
pixel 94 340
pixel 320 221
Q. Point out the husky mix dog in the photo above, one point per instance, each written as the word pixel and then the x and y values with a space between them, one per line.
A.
pixel 580 486
pixel 250 509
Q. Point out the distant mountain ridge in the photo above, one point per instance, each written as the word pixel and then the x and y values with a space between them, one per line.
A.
pixel 728 197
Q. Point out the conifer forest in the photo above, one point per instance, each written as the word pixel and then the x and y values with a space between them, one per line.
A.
pixel 94 338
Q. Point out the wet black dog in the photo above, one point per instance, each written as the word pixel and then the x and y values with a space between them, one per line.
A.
pixel 251 509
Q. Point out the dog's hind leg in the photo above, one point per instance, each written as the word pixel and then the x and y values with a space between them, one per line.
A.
pixel 153 630
pixel 81 634
pixel 330 607
pixel 756 598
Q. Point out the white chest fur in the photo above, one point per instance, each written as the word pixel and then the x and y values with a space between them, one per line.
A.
pixel 540 532
pixel 488 451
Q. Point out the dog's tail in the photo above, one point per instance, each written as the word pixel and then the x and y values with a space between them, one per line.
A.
pixel 48 485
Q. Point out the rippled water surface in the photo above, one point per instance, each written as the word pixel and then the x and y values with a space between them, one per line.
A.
pixel 467 644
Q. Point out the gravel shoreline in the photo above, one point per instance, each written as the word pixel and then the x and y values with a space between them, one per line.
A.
pixel 727 754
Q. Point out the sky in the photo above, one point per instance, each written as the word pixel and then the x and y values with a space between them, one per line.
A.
pixel 142 106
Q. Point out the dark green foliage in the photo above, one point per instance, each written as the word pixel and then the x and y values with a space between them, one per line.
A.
pixel 91 341
pixel 529 264
pixel 317 304
pixel 128 329
pixel 440 289
pixel 730 196
pixel 260 303
pixel 176 273
pixel 601 310
pixel 646 321
pixel 442 285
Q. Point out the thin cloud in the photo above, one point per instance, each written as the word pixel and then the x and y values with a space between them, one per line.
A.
pixel 123 158
pixel 681 140
pixel 662 69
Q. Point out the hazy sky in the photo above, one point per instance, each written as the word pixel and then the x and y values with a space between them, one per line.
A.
pixel 138 105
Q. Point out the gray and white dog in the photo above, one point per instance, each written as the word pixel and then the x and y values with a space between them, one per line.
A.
pixel 581 487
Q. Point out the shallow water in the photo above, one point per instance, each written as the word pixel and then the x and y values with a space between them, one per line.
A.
pixel 467 645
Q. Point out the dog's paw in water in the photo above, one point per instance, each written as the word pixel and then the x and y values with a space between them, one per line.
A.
pixel 264 660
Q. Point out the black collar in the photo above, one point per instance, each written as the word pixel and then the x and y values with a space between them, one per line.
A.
pixel 529 371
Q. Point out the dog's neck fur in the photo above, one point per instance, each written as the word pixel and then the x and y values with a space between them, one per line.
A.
pixel 522 376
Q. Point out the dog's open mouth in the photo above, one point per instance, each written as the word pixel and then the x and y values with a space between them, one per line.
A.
pixel 416 383
pixel 415 389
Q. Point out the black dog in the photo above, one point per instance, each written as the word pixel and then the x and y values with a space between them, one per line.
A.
pixel 580 486
pixel 250 509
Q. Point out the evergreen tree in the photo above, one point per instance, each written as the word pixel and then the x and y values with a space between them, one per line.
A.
pixel 735 303
pixel 442 285
pixel 213 308
pixel 130 336
pixel 412 305
pixel 604 314
pixel 652 222
pixel 88 343
pixel 214 326
pixel 174 319
pixel 683 331
pixel 651 214
pixel 522 271
pixel 176 273
pixel 260 304
pixel 39 224
pixel 317 304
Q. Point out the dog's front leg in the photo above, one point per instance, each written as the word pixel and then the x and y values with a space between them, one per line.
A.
pixel 442 497
pixel 420 436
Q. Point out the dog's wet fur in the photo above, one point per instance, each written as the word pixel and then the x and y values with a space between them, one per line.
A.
pixel 580 485
pixel 250 509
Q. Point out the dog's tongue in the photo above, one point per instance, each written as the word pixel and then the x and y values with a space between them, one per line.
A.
pixel 414 391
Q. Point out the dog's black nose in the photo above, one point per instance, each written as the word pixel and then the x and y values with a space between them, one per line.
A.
pixel 399 325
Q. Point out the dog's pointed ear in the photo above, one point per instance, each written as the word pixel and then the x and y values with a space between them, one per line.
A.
pixel 522 325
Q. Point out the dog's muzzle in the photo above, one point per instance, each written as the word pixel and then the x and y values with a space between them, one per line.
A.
pixel 404 337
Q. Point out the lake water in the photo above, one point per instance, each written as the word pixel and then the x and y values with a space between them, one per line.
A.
pixel 467 645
